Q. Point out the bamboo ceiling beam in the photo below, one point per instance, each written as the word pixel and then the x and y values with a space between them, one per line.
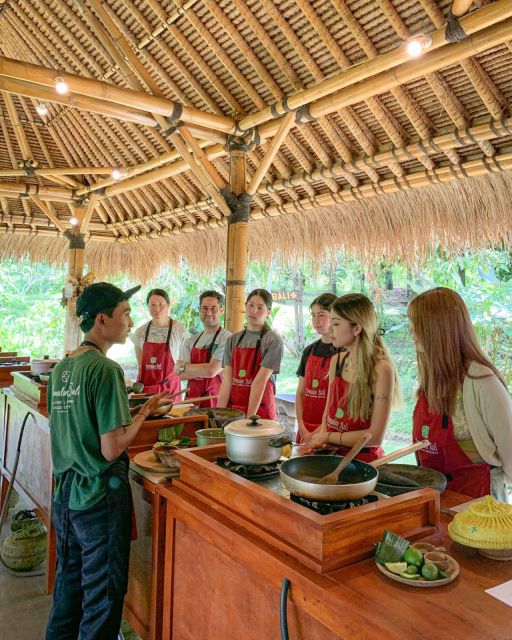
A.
pixel 19 132
pixel 114 94
pixel 200 172
pixel 104 108
pixel 59 194
pixel 202 158
pixel 88 211
pixel 286 124
pixel 48 172
pixel 46 208
pixel 472 24
pixel 483 130
pixel 388 80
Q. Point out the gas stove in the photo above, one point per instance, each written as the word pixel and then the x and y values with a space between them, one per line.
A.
pixel 325 508
pixel 250 471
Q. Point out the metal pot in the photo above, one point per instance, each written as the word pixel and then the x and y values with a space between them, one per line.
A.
pixel 219 418
pixel 42 365
pixel 248 441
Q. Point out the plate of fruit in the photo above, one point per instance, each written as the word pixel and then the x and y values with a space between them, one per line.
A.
pixel 417 565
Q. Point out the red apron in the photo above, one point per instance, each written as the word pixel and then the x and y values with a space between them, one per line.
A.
pixel 316 385
pixel 444 453
pixel 245 364
pixel 156 369
pixel 198 387
pixel 339 420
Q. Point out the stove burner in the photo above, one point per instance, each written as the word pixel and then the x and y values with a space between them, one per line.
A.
pixel 325 508
pixel 250 471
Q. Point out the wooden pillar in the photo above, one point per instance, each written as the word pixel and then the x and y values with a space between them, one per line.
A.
pixel 236 261
pixel 76 259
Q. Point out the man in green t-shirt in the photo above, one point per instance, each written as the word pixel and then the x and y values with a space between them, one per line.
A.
pixel 91 427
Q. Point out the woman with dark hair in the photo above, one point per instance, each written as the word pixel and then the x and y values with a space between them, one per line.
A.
pixel 463 406
pixel 313 371
pixel 157 345
pixel 363 384
pixel 251 359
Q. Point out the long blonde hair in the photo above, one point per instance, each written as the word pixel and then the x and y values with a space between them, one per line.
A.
pixel 358 309
pixel 442 325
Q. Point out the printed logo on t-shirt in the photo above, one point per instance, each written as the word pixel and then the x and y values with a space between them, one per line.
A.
pixel 242 373
pixel 153 360
pixel 315 383
pixel 424 431
pixel 339 412
pixel 65 376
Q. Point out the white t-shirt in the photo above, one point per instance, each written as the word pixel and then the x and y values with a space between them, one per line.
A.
pixel 204 342
pixel 179 334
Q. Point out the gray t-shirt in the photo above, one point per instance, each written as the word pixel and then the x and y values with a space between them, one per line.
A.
pixel 203 342
pixel 271 347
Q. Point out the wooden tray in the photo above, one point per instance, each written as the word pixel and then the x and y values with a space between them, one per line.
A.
pixel 146 460
pixel 452 571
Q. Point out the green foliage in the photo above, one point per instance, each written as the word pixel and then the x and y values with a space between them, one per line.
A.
pixel 32 320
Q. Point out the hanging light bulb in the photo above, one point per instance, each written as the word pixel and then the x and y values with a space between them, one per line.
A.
pixel 60 86
pixel 118 174
pixel 42 109
pixel 416 46
pixel 74 221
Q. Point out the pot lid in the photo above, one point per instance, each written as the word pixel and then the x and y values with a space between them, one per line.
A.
pixel 254 427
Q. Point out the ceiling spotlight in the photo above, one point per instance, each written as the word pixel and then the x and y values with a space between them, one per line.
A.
pixel 119 174
pixel 60 86
pixel 415 46
pixel 74 222
pixel 42 109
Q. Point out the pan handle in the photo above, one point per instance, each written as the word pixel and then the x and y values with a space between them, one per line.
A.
pixel 400 453
pixel 284 615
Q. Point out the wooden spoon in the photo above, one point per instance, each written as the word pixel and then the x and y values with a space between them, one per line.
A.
pixel 332 478
pixel 401 452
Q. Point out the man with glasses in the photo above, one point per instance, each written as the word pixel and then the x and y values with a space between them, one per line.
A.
pixel 201 355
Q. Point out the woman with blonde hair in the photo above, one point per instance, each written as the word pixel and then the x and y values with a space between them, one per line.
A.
pixel 463 405
pixel 363 384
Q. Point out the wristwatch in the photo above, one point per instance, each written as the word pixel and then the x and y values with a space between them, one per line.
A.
pixel 181 368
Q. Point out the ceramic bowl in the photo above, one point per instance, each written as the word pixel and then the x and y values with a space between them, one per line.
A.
pixel 165 453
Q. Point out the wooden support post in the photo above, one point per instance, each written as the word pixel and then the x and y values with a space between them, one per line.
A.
pixel 76 259
pixel 236 261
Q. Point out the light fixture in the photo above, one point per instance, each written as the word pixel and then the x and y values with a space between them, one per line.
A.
pixel 42 109
pixel 60 86
pixel 118 174
pixel 416 45
pixel 74 221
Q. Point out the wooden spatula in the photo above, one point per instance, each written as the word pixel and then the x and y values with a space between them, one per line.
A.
pixel 332 478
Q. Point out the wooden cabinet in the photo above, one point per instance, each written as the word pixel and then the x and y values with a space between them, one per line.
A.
pixel 226 557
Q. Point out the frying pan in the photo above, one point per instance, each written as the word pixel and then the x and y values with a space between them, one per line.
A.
pixel 301 475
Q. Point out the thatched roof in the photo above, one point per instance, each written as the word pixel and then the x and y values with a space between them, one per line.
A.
pixel 386 156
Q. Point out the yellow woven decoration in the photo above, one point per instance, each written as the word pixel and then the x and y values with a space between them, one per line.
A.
pixel 484 525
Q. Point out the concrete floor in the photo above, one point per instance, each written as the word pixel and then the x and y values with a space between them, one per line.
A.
pixel 24 606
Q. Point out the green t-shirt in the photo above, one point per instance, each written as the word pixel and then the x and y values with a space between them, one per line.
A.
pixel 86 399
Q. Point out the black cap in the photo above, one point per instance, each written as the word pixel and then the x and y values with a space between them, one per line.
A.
pixel 99 296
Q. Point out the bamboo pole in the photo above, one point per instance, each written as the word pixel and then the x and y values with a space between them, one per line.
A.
pixel 48 211
pixel 237 250
pixel 114 94
pixel 412 70
pixel 59 194
pixel 286 124
pixel 57 172
pixel 76 260
pixel 482 130
pixel 502 161
pixel 471 23
pixel 38 91
pixel 200 172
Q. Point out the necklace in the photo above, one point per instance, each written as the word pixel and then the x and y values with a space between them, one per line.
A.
pixel 88 343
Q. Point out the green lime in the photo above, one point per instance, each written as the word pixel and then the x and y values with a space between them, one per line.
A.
pixel 441 573
pixel 410 576
pixel 413 556
pixel 412 569
pixel 396 567
pixel 430 571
